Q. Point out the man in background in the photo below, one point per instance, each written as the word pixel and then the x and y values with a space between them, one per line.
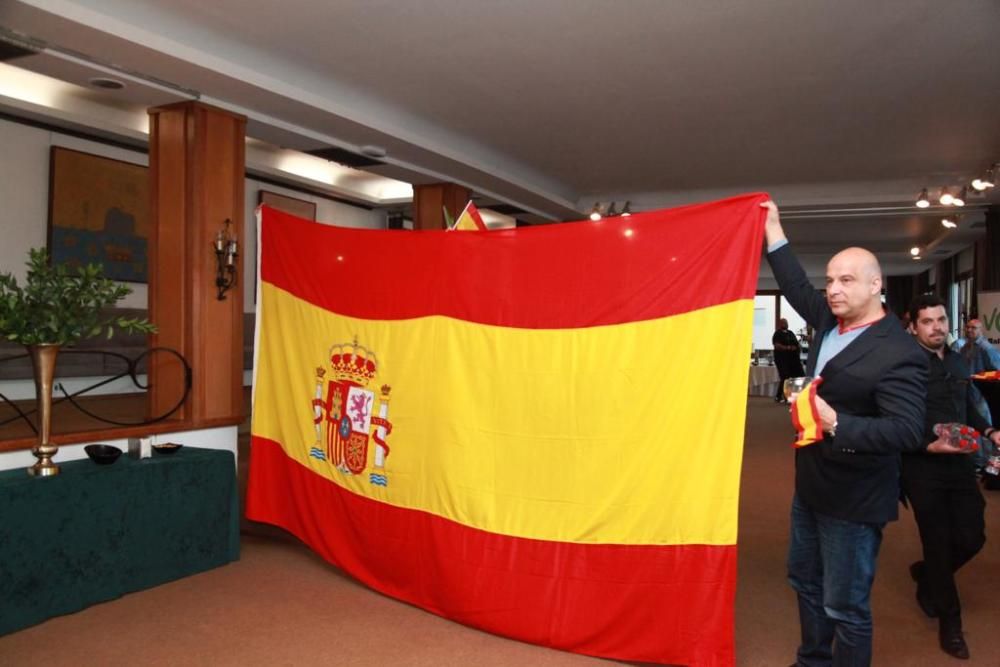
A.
pixel 940 482
pixel 978 353
pixel 979 356
pixel 786 357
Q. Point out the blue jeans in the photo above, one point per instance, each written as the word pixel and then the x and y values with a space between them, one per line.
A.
pixel 831 565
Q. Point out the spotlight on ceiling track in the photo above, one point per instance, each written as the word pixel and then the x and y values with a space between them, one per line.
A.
pixel 946 197
pixel 612 211
pixel 950 222
pixel 626 211
pixel 915 251
pixel 595 213
pixel 923 201
pixel 988 180
pixel 959 199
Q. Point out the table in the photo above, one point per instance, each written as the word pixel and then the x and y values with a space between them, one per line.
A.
pixel 93 533
pixel 763 381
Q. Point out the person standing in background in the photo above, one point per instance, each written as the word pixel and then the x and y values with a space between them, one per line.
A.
pixel 978 353
pixel 979 356
pixel 786 357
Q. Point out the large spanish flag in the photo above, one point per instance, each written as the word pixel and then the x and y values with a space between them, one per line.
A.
pixel 537 431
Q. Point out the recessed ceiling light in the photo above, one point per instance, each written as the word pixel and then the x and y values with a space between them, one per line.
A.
pixel 106 83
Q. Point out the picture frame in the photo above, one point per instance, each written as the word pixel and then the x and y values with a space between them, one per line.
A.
pixel 300 208
pixel 99 213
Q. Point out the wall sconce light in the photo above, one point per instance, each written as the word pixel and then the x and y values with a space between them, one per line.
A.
pixel 225 259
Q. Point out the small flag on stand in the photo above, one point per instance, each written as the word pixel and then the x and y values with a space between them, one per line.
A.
pixel 805 416
pixel 469 220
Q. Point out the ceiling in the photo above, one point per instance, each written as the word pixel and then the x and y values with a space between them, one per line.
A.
pixel 842 110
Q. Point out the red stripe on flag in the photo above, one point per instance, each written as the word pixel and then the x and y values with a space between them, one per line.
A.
pixel 552 276
pixel 668 604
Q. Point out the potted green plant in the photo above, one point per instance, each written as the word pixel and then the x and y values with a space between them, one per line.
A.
pixel 54 308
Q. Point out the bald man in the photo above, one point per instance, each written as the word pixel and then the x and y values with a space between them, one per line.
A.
pixel 979 355
pixel 870 404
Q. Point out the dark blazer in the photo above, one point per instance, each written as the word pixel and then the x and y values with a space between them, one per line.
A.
pixel 878 386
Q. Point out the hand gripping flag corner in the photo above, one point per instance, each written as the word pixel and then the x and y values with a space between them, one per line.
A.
pixel 536 433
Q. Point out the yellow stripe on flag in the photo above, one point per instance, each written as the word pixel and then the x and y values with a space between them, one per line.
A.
pixel 517 431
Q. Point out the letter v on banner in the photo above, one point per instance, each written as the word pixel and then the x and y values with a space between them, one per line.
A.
pixel 989 314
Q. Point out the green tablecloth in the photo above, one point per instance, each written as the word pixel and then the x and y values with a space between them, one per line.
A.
pixel 94 533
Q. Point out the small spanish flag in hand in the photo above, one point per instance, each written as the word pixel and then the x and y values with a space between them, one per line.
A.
pixel 805 416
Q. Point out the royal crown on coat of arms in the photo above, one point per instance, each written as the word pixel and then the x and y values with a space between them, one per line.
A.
pixel 353 362
pixel 344 413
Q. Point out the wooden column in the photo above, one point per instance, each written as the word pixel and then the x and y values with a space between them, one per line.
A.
pixel 196 170
pixel 428 201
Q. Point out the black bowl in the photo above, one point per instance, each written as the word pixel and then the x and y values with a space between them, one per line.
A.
pixel 102 454
pixel 166 447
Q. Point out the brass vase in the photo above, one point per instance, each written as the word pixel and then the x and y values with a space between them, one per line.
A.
pixel 43 361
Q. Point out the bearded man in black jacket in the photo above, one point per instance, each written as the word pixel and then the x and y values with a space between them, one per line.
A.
pixel 940 482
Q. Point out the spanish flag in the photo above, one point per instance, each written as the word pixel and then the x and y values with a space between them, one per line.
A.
pixel 805 416
pixel 469 220
pixel 536 432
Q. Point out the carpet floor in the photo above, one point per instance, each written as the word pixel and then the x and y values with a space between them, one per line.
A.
pixel 282 605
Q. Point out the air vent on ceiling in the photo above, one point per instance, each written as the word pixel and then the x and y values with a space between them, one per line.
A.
pixel 107 83
pixel 344 157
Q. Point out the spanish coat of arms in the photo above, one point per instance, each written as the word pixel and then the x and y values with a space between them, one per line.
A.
pixel 344 413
